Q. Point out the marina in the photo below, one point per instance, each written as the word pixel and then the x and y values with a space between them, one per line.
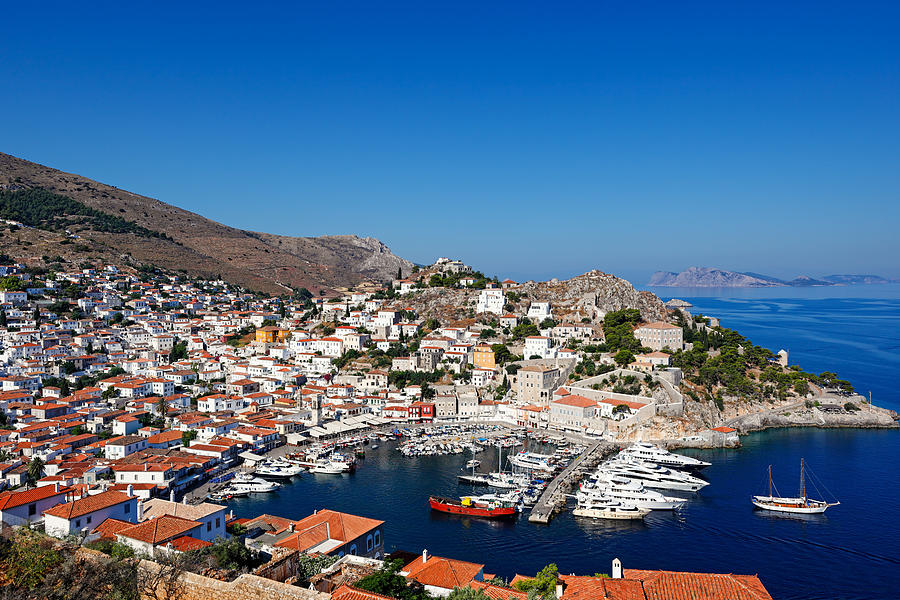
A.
pixel 397 488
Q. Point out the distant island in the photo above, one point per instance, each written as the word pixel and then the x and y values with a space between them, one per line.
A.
pixel 710 277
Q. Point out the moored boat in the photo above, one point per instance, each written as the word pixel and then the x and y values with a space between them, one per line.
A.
pixel 468 506
pixel 603 508
pixel 799 505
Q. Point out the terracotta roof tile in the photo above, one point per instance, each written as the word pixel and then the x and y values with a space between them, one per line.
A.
pixel 674 585
pixel 12 499
pixel 340 526
pixel 160 530
pixel 443 572
pixel 346 592
pixel 88 504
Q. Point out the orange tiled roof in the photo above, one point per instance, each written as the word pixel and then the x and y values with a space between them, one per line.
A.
pixel 185 543
pixel 600 588
pixel 110 527
pixel 575 400
pixel 441 572
pixel 87 505
pixel 675 585
pixel 13 499
pixel 160 530
pixel 346 592
pixel 340 526
pixel 495 592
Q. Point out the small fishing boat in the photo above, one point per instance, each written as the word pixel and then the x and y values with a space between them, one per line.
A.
pixel 799 505
pixel 469 506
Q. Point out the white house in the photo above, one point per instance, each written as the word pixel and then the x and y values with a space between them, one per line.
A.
pixel 123 446
pixel 491 301
pixel 538 345
pixel 538 311
pixel 88 512
pixel 21 508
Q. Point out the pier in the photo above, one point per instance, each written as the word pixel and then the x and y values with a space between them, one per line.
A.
pixel 554 497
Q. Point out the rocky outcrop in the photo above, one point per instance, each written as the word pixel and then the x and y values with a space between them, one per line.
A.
pixel 867 417
pixel 368 257
pixel 594 294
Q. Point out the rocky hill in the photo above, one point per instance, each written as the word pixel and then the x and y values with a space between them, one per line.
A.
pixel 114 226
pixel 586 296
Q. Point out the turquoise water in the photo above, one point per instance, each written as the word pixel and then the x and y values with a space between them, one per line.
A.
pixel 851 552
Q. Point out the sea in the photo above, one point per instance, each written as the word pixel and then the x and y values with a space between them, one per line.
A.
pixel 851 552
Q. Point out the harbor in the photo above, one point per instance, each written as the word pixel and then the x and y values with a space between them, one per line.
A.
pixel 554 497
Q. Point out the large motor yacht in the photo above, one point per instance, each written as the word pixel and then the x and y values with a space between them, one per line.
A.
pixel 654 476
pixel 660 456
pixel 628 491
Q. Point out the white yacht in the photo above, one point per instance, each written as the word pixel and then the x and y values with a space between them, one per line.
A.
pixel 628 491
pixel 655 454
pixel 654 476
pixel 278 470
pixel 605 508
pixel 244 483
pixel 329 467
pixel 507 481
pixel 532 461
pixel 471 464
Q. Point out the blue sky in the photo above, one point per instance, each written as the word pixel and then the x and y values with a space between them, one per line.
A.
pixel 532 140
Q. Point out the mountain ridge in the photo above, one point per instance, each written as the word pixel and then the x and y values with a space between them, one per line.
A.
pixel 713 277
pixel 191 242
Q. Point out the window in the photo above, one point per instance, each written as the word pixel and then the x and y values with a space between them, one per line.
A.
pixel 377 538
pixel 209 525
pixel 78 523
pixel 89 519
pixel 354 549
pixel 32 510
pixel 127 508
pixel 218 522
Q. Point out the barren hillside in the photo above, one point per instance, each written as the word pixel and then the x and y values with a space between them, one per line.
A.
pixel 197 245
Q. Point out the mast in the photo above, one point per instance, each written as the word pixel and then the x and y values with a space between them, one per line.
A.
pixel 770 482
pixel 802 481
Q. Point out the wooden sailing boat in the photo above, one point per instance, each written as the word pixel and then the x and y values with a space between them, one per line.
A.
pixel 801 504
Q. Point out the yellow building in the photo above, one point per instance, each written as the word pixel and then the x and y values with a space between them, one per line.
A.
pixel 270 335
pixel 483 357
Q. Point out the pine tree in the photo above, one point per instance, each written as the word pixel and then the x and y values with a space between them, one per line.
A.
pixel 399 272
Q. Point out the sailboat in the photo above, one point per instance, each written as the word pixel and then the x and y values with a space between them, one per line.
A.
pixel 799 505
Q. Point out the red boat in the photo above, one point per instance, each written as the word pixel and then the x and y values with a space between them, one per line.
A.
pixel 492 510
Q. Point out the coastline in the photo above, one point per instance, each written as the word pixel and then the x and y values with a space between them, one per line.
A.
pixel 867 417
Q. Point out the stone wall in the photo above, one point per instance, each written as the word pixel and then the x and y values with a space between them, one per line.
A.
pixel 246 587
pixel 284 565
pixel 191 586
